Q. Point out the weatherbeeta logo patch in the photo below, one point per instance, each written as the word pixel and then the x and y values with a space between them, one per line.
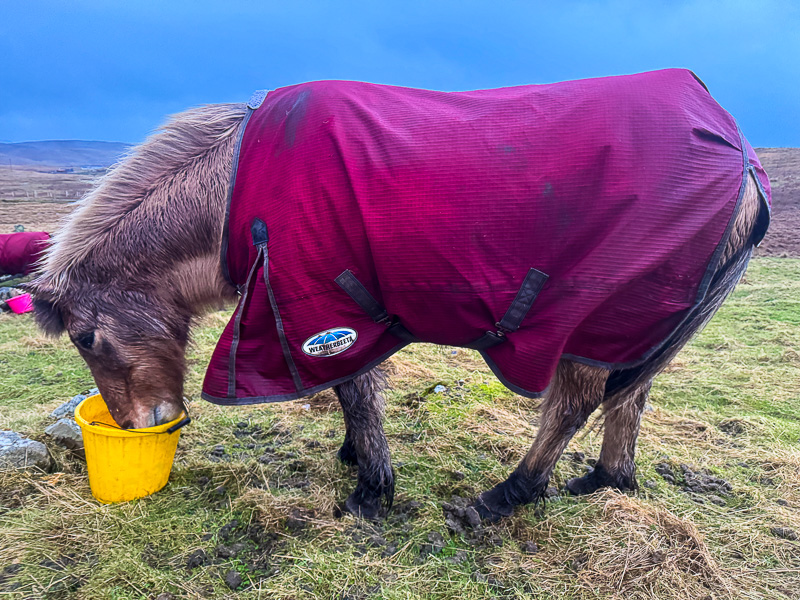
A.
pixel 330 342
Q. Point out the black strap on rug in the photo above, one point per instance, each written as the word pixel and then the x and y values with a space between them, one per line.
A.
pixel 356 290
pixel 531 286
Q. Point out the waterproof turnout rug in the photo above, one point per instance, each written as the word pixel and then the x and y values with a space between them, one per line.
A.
pixel 580 219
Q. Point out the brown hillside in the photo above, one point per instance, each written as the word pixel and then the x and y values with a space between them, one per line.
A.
pixel 783 168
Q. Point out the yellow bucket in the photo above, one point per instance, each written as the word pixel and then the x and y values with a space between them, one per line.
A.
pixel 125 463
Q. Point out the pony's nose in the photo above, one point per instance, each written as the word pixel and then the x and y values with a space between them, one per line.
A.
pixel 164 413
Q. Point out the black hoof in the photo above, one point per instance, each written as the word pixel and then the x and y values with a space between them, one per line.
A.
pixel 365 508
pixel 598 478
pixel 500 501
pixel 372 497
pixel 490 508
pixel 347 454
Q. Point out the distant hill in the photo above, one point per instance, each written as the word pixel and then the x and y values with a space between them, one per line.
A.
pixel 62 153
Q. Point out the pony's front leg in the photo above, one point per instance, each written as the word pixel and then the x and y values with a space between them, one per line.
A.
pixel 365 444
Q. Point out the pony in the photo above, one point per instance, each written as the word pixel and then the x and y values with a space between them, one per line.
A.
pixel 140 258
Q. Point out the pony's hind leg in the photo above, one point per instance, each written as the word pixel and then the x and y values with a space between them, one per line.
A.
pixel 615 467
pixel 627 389
pixel 365 443
pixel 574 393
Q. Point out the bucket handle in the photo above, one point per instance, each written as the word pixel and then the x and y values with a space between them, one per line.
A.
pixel 183 422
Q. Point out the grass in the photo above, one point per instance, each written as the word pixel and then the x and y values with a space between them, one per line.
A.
pixel 254 489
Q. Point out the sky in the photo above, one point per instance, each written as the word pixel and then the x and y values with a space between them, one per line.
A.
pixel 97 70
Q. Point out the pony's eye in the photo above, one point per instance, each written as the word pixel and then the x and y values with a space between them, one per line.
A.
pixel 85 340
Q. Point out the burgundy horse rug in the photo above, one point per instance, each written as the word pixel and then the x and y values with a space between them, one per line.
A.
pixel 581 219
pixel 20 251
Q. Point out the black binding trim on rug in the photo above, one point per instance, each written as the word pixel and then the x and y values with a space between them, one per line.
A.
pixel 234 168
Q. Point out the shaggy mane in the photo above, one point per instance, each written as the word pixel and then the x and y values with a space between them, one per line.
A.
pixel 190 143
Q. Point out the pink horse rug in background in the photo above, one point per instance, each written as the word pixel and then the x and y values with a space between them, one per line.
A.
pixel 20 251
pixel 581 219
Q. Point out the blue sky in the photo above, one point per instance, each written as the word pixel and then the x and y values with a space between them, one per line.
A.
pixel 113 70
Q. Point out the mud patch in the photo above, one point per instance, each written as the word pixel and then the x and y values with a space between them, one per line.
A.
pixel 462 519
pixel 785 533
pixel 701 485
pixel 15 497
pixel 736 427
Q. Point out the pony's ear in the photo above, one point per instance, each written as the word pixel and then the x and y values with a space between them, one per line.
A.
pixel 45 309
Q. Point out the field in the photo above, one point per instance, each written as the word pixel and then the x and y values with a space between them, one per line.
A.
pixel 254 493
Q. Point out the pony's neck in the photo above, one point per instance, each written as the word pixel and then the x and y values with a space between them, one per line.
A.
pixel 157 218
pixel 198 283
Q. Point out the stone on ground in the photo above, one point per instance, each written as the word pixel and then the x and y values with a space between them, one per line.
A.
pixel 67 410
pixel 66 433
pixel 19 452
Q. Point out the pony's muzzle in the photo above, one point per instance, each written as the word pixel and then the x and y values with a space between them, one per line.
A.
pixel 164 413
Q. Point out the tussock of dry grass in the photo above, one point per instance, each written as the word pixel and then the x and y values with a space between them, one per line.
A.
pixel 660 552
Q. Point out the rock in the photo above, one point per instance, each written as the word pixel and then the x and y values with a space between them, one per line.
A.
pixel 650 484
pixel 165 596
pixel 785 533
pixel 67 410
pixel 439 389
pixel 66 433
pixel 233 580
pixel 18 452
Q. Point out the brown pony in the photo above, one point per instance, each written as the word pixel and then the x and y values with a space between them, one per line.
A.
pixel 140 258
